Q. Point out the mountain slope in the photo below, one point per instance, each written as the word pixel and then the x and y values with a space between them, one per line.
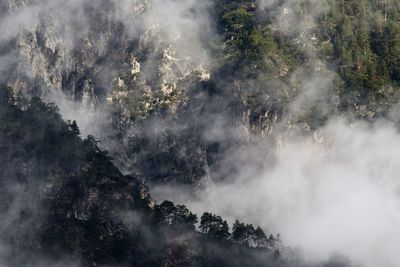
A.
pixel 62 200
pixel 189 95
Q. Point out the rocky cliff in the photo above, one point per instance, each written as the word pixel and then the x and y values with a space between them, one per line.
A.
pixel 180 93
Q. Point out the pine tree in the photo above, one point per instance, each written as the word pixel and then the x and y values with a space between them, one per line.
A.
pixel 261 238
pixel 214 226
pixel 74 128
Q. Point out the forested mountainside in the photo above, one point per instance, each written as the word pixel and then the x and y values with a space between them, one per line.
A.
pixel 188 98
pixel 64 202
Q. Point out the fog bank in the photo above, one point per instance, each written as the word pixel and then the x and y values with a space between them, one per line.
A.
pixel 335 192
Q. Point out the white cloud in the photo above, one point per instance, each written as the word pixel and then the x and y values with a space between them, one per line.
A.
pixel 339 195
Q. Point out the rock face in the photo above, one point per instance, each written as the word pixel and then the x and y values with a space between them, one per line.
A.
pixel 182 93
pixel 104 66
pixel 163 115
pixel 121 69
pixel 173 118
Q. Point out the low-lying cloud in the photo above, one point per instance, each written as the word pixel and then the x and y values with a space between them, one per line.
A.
pixel 335 192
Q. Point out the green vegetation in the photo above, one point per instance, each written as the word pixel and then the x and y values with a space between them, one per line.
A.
pixel 251 43
pixel 169 214
pixel 359 40
pixel 214 226
pixel 364 36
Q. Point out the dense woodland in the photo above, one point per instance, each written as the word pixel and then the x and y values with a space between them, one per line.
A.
pixel 357 39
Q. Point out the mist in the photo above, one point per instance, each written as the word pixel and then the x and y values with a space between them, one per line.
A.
pixel 178 27
pixel 336 192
